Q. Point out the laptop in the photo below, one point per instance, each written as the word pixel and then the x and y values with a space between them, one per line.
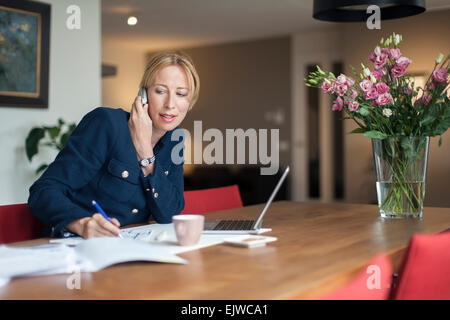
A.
pixel 243 226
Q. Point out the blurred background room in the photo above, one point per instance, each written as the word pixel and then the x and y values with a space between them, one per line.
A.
pixel 252 57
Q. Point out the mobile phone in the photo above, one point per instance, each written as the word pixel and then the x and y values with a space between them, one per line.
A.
pixel 143 94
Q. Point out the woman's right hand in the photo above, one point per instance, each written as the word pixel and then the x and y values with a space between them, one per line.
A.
pixel 95 226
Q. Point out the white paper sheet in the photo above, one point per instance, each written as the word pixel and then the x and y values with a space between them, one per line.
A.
pixel 103 252
pixel 141 233
pixel 16 261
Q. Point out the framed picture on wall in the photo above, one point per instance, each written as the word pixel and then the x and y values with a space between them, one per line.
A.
pixel 24 53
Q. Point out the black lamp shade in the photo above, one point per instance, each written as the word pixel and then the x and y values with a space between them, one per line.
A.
pixel 355 10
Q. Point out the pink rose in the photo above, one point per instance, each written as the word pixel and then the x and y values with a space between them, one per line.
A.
pixel 384 99
pixel 398 71
pixel 440 75
pixel 403 61
pixel 350 82
pixel 400 67
pixel 342 79
pixel 377 74
pixel 340 89
pixel 378 57
pixel 376 52
pixel 394 53
pixel 353 106
pixel 353 94
pixel 327 88
pixel 380 61
pixel 426 98
pixel 382 87
pixel 430 86
pixel 337 104
pixel 365 85
pixel 371 94
pixel 407 90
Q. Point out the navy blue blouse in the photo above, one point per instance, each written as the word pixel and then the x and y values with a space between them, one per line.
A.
pixel 100 163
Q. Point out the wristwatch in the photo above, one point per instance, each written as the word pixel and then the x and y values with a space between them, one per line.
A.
pixel 147 161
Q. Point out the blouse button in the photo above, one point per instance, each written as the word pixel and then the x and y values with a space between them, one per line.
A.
pixel 155 194
pixel 166 173
pixel 134 211
pixel 147 189
pixel 125 174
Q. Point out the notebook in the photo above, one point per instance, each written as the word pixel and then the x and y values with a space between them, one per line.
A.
pixel 243 226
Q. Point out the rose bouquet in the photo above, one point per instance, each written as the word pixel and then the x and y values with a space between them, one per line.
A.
pixel 399 116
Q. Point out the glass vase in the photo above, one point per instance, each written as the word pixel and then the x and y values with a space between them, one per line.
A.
pixel 400 168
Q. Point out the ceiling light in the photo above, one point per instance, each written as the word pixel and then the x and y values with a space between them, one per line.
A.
pixel 355 10
pixel 132 20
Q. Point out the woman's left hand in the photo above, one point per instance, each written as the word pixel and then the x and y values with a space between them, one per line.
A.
pixel 140 125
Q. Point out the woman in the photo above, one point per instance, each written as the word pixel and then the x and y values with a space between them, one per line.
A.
pixel 102 160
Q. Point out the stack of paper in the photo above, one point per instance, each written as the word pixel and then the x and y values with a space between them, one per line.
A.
pixel 89 256
pixel 16 261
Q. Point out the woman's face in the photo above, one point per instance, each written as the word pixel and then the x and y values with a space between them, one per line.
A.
pixel 168 98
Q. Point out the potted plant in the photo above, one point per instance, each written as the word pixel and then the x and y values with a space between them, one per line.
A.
pixel 54 137
pixel 398 116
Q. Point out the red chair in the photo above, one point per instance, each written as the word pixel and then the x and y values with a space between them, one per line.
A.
pixel 210 200
pixel 373 283
pixel 17 223
pixel 425 273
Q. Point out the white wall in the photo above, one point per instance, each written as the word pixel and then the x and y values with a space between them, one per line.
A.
pixel 74 89
pixel 120 90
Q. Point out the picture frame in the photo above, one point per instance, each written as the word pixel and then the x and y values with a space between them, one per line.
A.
pixel 24 53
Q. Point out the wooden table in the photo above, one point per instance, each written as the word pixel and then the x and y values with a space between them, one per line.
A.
pixel 320 247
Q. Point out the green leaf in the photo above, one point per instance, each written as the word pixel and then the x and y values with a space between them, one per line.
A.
pixel 41 168
pixel 363 111
pixel 66 135
pixel 358 130
pixel 53 132
pixel 63 140
pixel 32 142
pixel 373 134
pixel 48 144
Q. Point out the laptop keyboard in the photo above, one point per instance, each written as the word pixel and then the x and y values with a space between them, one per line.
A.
pixel 235 225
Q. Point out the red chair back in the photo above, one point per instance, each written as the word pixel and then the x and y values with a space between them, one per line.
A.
pixel 210 200
pixel 373 283
pixel 17 223
pixel 425 273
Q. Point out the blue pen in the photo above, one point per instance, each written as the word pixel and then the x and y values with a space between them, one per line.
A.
pixel 103 213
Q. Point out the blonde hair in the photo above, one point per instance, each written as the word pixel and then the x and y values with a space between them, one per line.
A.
pixel 173 58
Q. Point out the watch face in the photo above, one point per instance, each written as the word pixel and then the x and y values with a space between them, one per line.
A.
pixel 145 162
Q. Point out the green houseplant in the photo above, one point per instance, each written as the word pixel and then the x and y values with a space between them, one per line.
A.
pixel 54 137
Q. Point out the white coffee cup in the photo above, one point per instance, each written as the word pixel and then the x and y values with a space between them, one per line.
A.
pixel 188 228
